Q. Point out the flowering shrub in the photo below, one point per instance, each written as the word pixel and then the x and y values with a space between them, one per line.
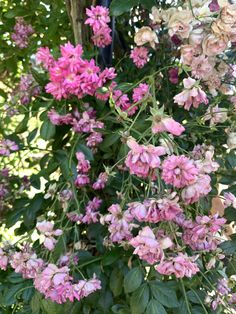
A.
pixel 117 157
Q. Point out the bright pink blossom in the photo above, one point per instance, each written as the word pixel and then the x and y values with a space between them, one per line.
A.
pixel 139 55
pixel 140 92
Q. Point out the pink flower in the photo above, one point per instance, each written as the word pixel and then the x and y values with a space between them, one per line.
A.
pixel 82 180
pixel 102 37
pixel 98 17
pixel 147 247
pixel 7 146
pixel 26 263
pixel 44 57
pixel 85 287
pixel 21 34
pixel 201 67
pixel 191 96
pixel 140 92
pixel 179 171
pixel 92 214
pixel 3 260
pixel 139 55
pixel 201 187
pixel 101 181
pixel 230 200
pixel 47 229
pixel 94 139
pixel 142 160
pixel 119 223
pixel 167 125
pixel 57 119
pixel 122 101
pixel 173 75
pixel 83 165
pixel 201 234
pixel 181 266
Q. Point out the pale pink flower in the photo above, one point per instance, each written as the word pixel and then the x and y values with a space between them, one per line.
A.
pixel 26 263
pixel 230 200
pixel 216 115
pixel 147 247
pixel 142 160
pixel 201 67
pixel 181 266
pixel 191 95
pixel 57 119
pixel 22 32
pixel 139 55
pixel 46 228
pixel 193 192
pixel 179 171
pixel 85 287
pixel 3 260
pixel 166 124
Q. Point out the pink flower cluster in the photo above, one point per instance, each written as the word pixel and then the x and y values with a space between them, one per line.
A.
pixel 7 146
pixel 84 122
pixel 119 223
pixel 201 235
pixel 83 167
pixel 21 34
pixel 143 160
pixel 191 95
pixel 181 266
pixel 56 284
pixel 71 74
pixel 46 229
pixel 147 247
pixel 26 263
pixel 98 19
pixel 139 55
pixel 153 211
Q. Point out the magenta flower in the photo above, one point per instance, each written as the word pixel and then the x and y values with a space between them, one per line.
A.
pixel 139 55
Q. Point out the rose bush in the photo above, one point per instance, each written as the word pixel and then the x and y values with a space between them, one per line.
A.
pixel 117 157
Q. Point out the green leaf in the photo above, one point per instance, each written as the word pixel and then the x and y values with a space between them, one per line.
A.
pixel 109 140
pixel 229 247
pixel 35 303
pixel 164 294
pixel 139 299
pixel 32 135
pixel 47 130
pixel 196 296
pixel 133 279
pixel 116 282
pixel 119 7
pixel 154 307
pixel 148 4
pixel 22 126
